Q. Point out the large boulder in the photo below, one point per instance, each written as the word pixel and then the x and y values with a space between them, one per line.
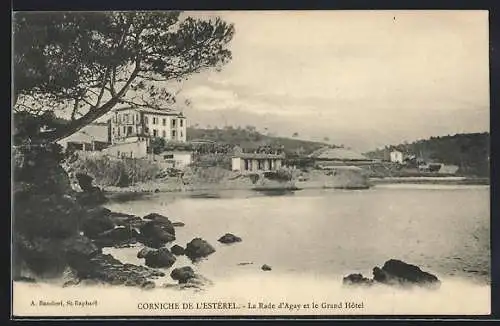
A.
pixel 177 250
pixel 144 252
pixel 198 248
pixel 118 236
pixel 96 224
pixel 162 220
pixel 161 258
pixel 183 274
pixel 397 272
pixel 229 238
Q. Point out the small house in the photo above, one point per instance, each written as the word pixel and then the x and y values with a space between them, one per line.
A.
pixel 396 157
pixel 253 162
pixel 177 159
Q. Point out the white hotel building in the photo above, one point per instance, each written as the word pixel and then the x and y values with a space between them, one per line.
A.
pixel 133 123
pixel 132 128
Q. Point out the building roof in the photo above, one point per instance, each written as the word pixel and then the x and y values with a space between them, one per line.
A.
pixel 89 133
pixel 259 156
pixel 341 154
pixel 151 110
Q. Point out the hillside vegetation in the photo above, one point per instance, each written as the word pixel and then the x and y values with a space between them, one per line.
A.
pixel 249 138
pixel 468 151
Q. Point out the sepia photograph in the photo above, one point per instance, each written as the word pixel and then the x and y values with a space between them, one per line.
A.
pixel 250 163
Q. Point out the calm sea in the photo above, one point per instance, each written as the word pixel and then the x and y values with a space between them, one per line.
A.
pixel 312 238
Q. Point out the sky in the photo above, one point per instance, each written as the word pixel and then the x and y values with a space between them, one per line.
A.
pixel 364 79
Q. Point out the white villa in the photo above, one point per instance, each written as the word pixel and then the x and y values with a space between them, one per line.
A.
pixel 137 123
pixel 132 128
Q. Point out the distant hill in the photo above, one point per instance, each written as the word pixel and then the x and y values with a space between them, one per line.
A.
pixel 250 138
pixel 468 151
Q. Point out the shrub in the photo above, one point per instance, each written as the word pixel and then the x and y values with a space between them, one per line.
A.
pixel 109 171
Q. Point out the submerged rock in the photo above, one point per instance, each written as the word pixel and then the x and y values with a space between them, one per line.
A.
pixel 397 272
pixel 198 248
pixel 178 224
pixel 183 274
pixel 229 238
pixel 356 279
pixel 266 267
pixel 161 258
pixel 177 250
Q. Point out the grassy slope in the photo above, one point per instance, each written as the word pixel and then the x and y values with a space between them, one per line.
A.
pixel 252 139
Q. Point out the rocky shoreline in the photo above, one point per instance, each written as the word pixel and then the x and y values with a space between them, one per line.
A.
pixel 60 233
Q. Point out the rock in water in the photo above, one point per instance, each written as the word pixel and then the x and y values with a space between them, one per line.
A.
pixel 397 272
pixel 161 220
pixel 183 274
pixel 144 252
pixel 154 235
pixel 266 267
pixel 177 250
pixel 161 258
pixel 229 238
pixel 117 237
pixel 178 224
pixel 356 279
pixel 198 248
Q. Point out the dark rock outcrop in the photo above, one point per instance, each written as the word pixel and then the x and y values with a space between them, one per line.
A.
pixel 118 236
pixel 177 250
pixel 93 197
pixel 161 258
pixel 154 235
pixel 397 272
pixel 178 224
pixel 266 267
pixel 106 269
pixel 161 220
pixel 229 238
pixel 144 252
pixel 198 248
pixel 183 274
pixel 357 279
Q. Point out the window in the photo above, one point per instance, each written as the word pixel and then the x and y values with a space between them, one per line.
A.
pixel 118 132
pixel 126 118
pixel 164 121
pixel 247 165
pixel 137 118
pixel 146 120
pixel 155 132
pixel 131 154
pixel 168 156
pixel 124 130
pixel 164 134
pixel 181 122
pixel 174 134
pixel 182 134
pixel 173 123
pixel 146 130
pixel 118 153
pixel 155 120
pixel 129 130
